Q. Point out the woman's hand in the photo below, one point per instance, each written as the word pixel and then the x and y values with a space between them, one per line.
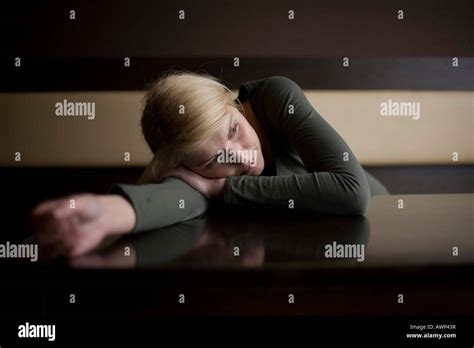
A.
pixel 75 225
pixel 209 188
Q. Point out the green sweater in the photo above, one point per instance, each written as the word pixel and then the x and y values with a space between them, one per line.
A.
pixel 317 172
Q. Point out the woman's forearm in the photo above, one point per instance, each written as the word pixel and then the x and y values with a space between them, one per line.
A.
pixel 161 204
pixel 120 214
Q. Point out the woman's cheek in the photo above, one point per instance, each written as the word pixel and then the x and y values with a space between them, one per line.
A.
pixel 217 172
pixel 225 171
pixel 221 170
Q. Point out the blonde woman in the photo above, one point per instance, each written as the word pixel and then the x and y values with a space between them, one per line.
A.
pixel 269 148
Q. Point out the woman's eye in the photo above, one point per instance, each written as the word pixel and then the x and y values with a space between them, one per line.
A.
pixel 211 163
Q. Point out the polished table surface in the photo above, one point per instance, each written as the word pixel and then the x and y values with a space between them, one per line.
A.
pixel 418 245
pixel 398 231
pixel 249 263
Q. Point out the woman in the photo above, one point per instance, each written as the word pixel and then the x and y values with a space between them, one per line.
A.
pixel 269 148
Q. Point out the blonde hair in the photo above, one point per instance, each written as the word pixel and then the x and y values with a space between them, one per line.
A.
pixel 182 110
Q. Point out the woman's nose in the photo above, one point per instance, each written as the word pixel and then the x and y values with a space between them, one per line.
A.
pixel 245 158
pixel 242 155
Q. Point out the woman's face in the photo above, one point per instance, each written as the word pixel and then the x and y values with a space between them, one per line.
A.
pixel 233 150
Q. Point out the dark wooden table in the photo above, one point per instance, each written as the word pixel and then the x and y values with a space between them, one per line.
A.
pixel 407 265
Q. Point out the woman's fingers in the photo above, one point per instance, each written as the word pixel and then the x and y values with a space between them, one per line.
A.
pixel 209 188
pixel 88 238
pixel 195 180
pixel 53 236
pixel 45 207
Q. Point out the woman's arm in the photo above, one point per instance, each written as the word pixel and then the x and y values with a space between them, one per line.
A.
pixel 162 204
pixel 77 224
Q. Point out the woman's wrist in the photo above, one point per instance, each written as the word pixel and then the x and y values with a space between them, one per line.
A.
pixel 119 214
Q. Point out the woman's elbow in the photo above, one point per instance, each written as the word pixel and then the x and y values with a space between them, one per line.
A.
pixel 358 202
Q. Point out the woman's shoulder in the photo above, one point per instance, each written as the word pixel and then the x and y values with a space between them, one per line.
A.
pixel 271 84
pixel 279 85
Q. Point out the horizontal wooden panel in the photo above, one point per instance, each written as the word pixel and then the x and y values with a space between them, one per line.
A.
pixel 443 125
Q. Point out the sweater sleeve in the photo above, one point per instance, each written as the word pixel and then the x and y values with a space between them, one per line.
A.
pixel 161 204
pixel 335 184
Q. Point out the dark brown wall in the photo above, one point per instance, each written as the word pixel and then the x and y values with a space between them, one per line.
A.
pixel 150 28
pixel 385 53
